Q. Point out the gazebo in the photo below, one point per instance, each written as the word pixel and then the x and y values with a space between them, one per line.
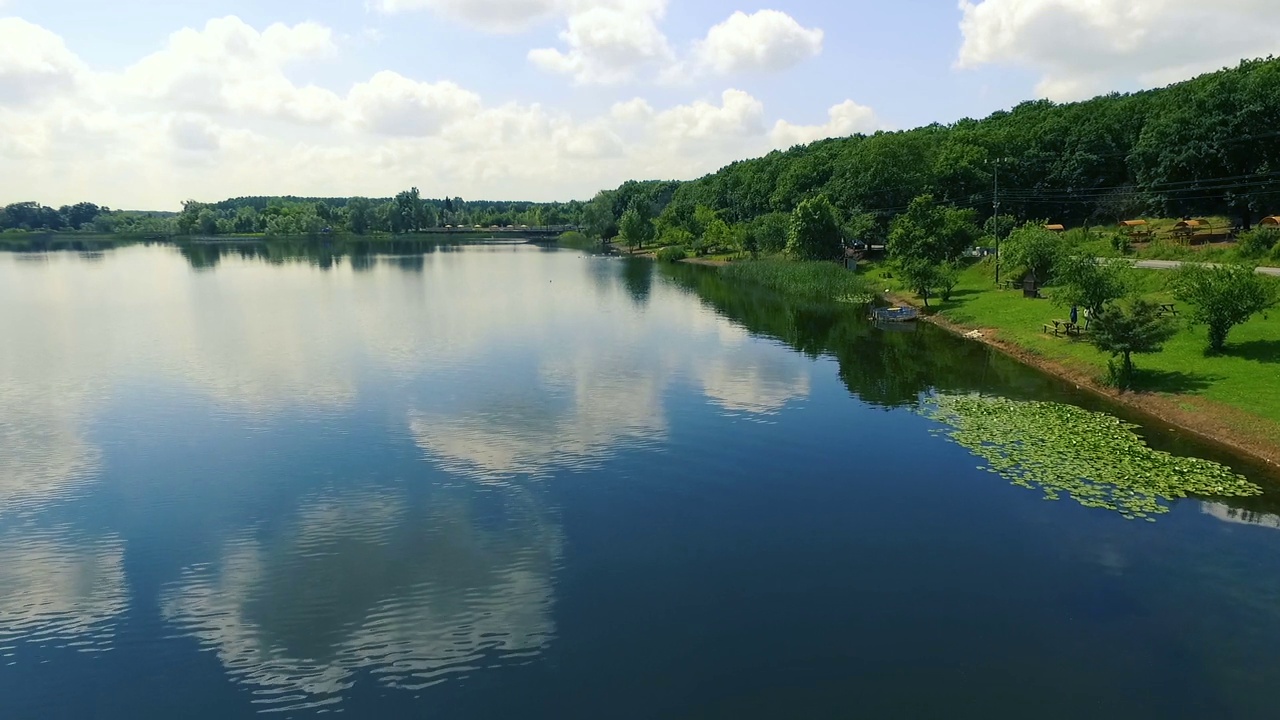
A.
pixel 1136 228
pixel 1193 230
pixel 1055 228
pixel 1271 222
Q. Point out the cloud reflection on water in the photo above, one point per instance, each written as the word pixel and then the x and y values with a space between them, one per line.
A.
pixel 368 582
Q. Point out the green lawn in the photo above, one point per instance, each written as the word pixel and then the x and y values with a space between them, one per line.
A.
pixel 1246 377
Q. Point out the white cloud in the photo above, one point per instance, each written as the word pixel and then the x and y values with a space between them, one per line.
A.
pixel 499 16
pixel 738 115
pixel 1084 47
pixel 610 44
pixel 231 67
pixel 34 63
pixel 766 41
pixel 215 114
pixel 391 104
pixel 847 118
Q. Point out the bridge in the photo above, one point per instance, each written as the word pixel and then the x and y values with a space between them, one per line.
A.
pixel 542 232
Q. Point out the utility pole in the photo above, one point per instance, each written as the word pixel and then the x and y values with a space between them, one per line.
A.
pixel 996 220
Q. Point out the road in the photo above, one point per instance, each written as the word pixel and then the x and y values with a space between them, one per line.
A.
pixel 1175 264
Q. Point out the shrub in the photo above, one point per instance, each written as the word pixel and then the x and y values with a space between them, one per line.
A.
pixel 1125 333
pixel 1121 243
pixel 673 253
pixel 1258 242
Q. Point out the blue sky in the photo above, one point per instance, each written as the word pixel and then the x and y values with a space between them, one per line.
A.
pixel 146 103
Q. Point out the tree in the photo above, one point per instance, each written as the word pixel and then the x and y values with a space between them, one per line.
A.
pixel 770 231
pixel 408 215
pixel 750 243
pixel 946 278
pixel 861 226
pixel 930 232
pixel 1033 249
pixel 1125 333
pixel 207 221
pixel 717 235
pixel 598 218
pixel 636 227
pixel 246 220
pixel 1091 284
pixel 919 275
pixel 1223 297
pixel 815 231
pixel 359 215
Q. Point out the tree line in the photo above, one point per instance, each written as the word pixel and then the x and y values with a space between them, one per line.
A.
pixel 1205 147
pixel 407 212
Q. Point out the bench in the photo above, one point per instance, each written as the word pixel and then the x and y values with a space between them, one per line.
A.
pixel 1168 309
pixel 1060 328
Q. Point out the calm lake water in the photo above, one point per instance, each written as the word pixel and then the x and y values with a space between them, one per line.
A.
pixel 503 481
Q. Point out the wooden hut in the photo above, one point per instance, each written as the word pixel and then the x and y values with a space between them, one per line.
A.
pixel 1272 222
pixel 1056 228
pixel 1136 229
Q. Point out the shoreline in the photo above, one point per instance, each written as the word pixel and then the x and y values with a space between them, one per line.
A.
pixel 1208 421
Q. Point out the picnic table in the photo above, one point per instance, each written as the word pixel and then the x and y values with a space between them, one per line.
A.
pixel 1059 328
pixel 1168 309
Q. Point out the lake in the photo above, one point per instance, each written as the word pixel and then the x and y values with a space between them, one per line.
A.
pixel 497 481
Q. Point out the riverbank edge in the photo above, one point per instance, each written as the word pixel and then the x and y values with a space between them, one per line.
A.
pixel 1214 423
pixel 1211 422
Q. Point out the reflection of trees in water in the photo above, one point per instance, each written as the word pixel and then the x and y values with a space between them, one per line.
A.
pixel 1240 516
pixel 884 369
pixel 326 254
pixel 414 591
pixel 637 276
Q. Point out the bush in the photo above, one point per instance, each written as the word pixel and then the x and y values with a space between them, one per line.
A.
pixel 1258 242
pixel 672 254
pixel 1121 243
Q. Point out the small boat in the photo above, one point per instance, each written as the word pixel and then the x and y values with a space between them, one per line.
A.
pixel 894 314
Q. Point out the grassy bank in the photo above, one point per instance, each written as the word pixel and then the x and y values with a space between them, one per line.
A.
pixel 1239 388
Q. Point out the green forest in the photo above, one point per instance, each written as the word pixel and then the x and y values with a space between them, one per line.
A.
pixel 1206 147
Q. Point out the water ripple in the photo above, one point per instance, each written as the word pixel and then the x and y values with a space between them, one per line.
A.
pixel 367 586
pixel 60 591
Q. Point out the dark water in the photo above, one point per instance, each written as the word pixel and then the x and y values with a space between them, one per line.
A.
pixel 495 482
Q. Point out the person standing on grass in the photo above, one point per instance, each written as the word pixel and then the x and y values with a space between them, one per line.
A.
pixel 1075 315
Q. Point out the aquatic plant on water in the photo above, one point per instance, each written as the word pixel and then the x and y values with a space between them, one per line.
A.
pixel 1093 458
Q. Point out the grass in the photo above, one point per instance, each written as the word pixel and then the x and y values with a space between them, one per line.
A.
pixel 1163 246
pixel 1245 377
pixel 810 280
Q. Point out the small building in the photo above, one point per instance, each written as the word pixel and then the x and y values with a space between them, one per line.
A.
pixel 1271 222
pixel 1055 228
